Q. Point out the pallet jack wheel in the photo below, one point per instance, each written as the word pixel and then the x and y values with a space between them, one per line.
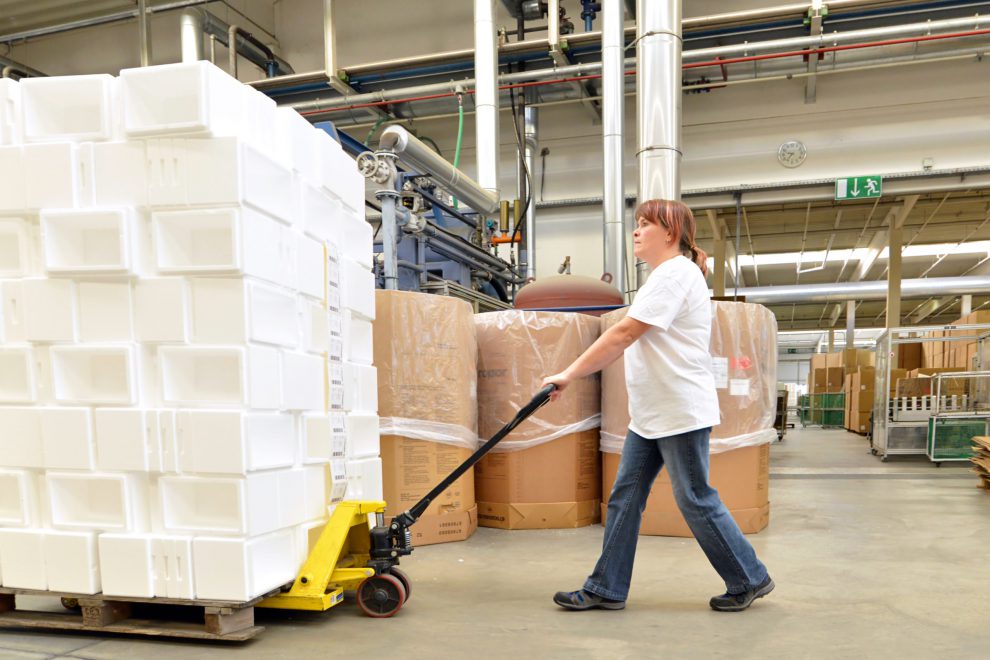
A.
pixel 404 579
pixel 381 596
pixel 70 603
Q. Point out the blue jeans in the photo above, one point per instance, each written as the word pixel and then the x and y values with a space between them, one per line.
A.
pixel 686 458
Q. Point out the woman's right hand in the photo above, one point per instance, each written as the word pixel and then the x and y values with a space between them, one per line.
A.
pixel 561 380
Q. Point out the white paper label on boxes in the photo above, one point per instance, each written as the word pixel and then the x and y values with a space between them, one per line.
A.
pixel 720 369
pixel 338 448
pixel 336 349
pixel 739 387
pixel 338 423
pixel 336 320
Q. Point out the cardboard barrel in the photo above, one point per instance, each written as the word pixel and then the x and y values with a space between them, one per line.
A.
pixel 546 474
pixel 744 359
pixel 426 353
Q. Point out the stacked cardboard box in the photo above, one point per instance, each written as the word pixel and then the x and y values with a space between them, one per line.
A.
pixel 744 355
pixel 185 268
pixel 909 356
pixel 828 371
pixel 427 359
pixel 818 374
pixel 920 382
pixel 981 460
pixel 859 399
pixel 547 474
pixel 958 354
pixel 847 392
pixel 962 354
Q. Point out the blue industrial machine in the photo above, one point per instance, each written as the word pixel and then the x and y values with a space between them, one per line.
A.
pixel 437 225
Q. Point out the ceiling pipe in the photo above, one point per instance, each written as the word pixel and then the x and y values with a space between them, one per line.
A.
pixel 144 33
pixel 836 38
pixel 94 21
pixel 613 119
pixel 872 290
pixel 486 99
pixel 195 23
pixel 425 160
pixel 530 148
pixel 191 35
pixel 795 11
pixel 447 88
pixel 13 66
pixel 658 104
pixel 776 71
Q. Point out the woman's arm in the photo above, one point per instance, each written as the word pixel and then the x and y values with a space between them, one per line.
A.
pixel 599 355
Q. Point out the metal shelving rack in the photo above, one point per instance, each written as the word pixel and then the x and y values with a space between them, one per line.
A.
pixel 900 426
pixel 827 409
pixel 804 410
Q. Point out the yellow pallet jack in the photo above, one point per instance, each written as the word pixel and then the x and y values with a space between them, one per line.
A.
pixel 351 555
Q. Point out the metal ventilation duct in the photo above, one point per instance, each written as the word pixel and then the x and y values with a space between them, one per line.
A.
pixel 658 103
pixel 613 119
pixel 486 96
pixel 421 158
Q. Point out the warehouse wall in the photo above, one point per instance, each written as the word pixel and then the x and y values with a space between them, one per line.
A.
pixel 881 121
pixel 793 369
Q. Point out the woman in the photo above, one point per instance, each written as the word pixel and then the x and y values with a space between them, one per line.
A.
pixel 673 407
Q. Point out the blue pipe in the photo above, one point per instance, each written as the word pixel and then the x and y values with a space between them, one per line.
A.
pixel 351 145
pixel 294 89
pixel 450 67
pixel 742 29
pixel 866 13
pixel 358 81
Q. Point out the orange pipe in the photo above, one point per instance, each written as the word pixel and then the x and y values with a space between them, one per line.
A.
pixel 499 240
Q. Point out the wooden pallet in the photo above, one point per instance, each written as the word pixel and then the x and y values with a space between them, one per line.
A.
pixel 152 617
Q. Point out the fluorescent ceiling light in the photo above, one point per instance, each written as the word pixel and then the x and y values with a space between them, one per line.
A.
pixel 981 248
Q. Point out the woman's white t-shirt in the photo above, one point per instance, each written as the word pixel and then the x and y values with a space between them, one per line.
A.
pixel 669 369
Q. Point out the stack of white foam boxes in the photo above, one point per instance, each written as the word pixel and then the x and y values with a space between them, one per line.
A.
pixel 186 379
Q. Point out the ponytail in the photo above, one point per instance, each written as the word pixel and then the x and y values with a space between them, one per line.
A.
pixel 700 257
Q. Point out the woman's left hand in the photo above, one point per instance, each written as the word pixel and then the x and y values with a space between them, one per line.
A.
pixel 561 380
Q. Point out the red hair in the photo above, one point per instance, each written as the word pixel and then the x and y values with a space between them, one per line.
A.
pixel 676 218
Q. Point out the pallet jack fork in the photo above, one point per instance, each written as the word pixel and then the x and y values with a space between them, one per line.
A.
pixel 352 555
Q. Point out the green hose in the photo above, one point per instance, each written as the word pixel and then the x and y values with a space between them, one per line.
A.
pixel 460 135
pixel 374 128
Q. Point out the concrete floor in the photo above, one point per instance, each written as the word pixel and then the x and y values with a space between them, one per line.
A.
pixel 870 560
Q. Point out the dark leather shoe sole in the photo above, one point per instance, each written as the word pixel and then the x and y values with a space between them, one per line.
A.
pixel 739 607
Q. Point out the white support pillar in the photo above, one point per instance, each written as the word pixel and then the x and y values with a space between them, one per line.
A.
pixel 966 304
pixel 850 324
pixel 894 245
pixel 894 276
pixel 831 340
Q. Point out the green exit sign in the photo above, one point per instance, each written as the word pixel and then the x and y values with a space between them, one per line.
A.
pixel 858 187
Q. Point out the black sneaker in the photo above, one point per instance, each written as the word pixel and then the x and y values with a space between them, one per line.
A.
pixel 738 602
pixel 585 600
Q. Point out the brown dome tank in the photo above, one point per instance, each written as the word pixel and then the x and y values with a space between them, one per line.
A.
pixel 568 291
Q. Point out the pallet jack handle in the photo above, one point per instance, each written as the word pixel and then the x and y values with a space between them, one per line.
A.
pixel 407 518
